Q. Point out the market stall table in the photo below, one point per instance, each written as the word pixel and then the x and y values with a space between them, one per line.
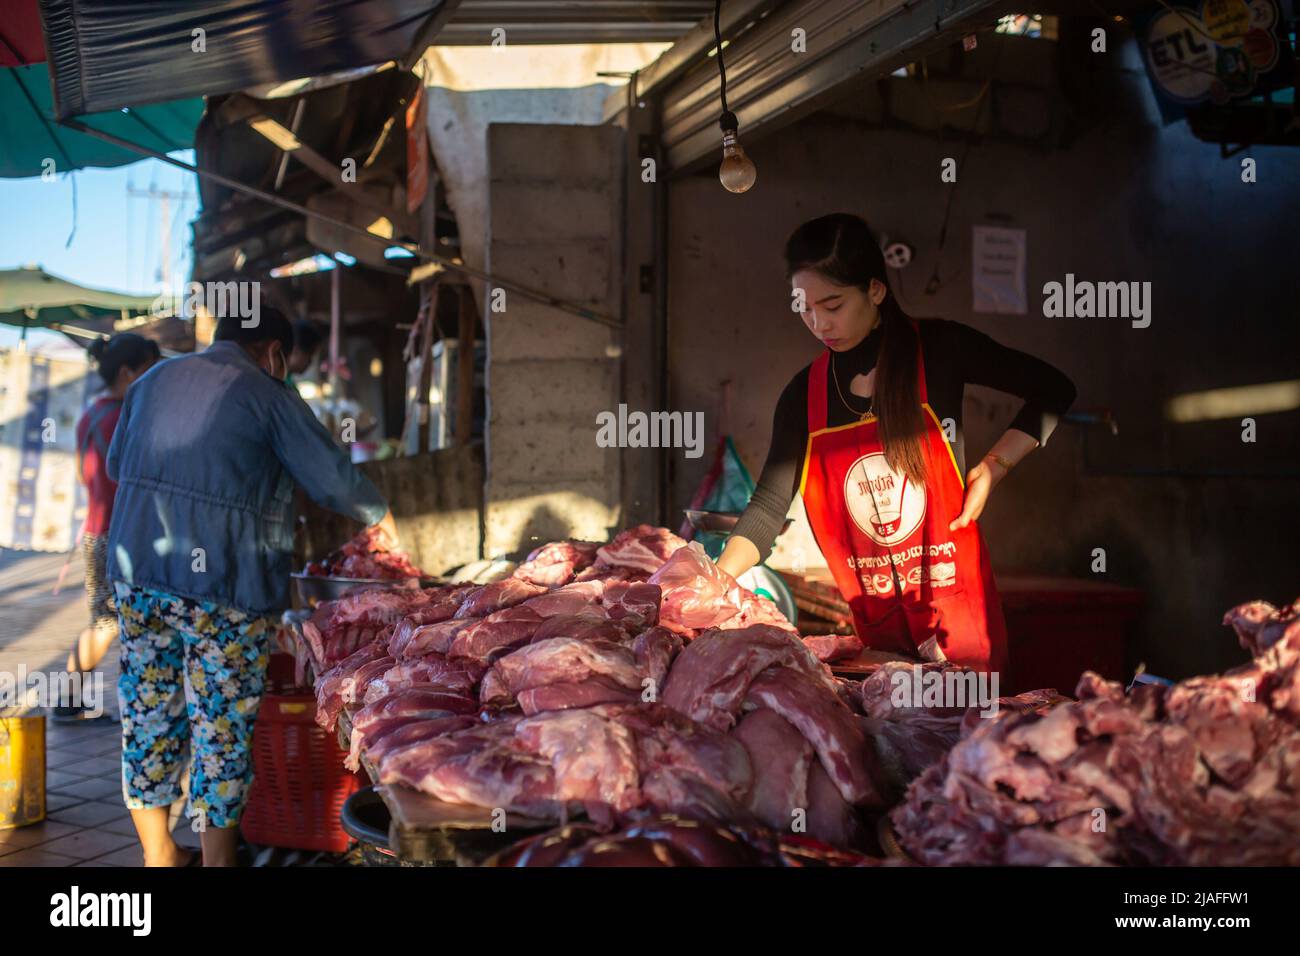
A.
pixel 423 829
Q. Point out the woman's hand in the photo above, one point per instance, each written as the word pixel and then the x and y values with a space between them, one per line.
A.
pixel 980 480
pixel 388 526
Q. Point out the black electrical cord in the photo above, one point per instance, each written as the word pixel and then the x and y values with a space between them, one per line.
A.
pixel 727 121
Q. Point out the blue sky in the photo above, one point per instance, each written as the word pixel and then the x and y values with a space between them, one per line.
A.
pixel 118 239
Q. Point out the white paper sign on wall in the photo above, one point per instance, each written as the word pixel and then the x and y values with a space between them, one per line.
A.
pixel 998 270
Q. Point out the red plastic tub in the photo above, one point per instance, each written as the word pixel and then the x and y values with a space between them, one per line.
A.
pixel 299 783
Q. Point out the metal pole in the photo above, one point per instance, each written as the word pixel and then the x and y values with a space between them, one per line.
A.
pixel 334 343
pixel 415 250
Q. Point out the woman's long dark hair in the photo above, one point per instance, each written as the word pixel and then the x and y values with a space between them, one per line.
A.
pixel 841 248
pixel 125 350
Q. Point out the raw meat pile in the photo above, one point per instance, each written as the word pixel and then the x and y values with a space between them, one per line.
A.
pixel 368 555
pixel 1206 772
pixel 565 688
pixel 337 629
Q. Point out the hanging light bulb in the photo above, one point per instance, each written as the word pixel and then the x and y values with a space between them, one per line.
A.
pixel 737 172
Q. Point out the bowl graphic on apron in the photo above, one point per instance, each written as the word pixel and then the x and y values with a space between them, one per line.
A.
pixel 885 505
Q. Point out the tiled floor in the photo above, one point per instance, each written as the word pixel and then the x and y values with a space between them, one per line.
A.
pixel 86 821
pixel 42 609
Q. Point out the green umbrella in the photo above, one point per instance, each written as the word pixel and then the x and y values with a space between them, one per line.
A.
pixel 31 297
pixel 30 138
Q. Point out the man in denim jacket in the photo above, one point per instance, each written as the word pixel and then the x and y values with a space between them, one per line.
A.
pixel 206 455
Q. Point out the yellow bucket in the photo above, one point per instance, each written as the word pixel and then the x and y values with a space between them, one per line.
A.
pixel 22 771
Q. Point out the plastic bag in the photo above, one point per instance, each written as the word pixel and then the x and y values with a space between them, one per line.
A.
pixel 697 594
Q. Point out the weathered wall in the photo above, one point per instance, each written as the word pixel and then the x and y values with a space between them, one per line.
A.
pixel 554 198
pixel 1130 200
pixel 436 498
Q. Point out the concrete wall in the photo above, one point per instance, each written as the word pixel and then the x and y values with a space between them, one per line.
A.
pixel 554 198
pixel 1128 200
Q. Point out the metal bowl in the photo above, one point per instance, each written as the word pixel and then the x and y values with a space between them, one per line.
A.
pixel 312 589
pixel 721 522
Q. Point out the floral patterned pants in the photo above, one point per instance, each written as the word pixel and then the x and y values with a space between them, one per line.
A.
pixel 191 683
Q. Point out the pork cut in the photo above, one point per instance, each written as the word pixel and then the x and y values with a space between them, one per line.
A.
pixel 709 679
pixel 429 700
pixel 607 760
pixel 556 563
pixel 337 686
pixel 1206 772
pixel 514 626
pixel 641 548
pixel 507 592
pixel 458 677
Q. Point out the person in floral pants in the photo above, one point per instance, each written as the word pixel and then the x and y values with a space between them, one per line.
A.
pixel 192 676
pixel 207 452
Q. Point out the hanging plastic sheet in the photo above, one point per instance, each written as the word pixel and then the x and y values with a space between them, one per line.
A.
pixel 187 48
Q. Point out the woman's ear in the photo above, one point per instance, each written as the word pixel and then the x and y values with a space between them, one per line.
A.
pixel 877 291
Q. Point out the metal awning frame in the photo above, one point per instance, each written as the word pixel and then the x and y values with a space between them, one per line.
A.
pixel 450 265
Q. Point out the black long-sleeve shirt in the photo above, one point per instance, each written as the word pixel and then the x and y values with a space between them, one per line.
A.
pixel 955 355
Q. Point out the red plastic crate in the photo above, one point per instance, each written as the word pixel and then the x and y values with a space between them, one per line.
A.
pixel 299 783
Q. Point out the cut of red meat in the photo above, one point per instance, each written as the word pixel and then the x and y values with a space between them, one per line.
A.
pixel 428 638
pixel 697 594
pixel 336 686
pixel 655 651
pixel 1206 772
pixel 513 627
pixel 337 628
pixel 711 676
pixel 566 672
pixel 495 635
pixel 415 618
pixel 505 593
pixel 1259 625
pixel 431 700
pixel 566 660
pixel 590 625
pixel 830 817
pixel 562 695
pixel 610 573
pixel 556 563
pixel 631 601
pixel 643 548
pixel 607 759
pixel 833 647
pixel 360 689
pixel 781 758
pixel 369 554
pixel 392 733
pixel 828 725
pixel 458 677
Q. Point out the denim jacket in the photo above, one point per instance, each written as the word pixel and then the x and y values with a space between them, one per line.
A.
pixel 205 456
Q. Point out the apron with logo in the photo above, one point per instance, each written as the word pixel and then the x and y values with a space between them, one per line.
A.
pixel 914 587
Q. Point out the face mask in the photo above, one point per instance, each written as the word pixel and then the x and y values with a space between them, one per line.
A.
pixel 284 368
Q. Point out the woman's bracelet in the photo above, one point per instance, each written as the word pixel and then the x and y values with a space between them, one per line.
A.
pixel 1006 463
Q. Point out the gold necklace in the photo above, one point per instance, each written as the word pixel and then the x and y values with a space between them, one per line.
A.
pixel 871 402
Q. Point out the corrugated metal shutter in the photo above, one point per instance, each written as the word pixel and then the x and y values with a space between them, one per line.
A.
pixel 769 85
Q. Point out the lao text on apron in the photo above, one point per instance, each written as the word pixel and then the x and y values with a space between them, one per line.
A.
pixel 914 587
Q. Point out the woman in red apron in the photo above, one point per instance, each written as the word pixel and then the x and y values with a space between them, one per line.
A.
pixel 870 435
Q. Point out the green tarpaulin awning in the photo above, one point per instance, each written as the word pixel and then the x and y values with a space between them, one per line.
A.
pixel 33 298
pixel 29 136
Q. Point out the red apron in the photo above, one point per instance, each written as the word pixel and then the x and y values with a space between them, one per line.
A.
pixel 914 586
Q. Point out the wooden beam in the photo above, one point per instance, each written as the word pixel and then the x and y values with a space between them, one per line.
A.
pixel 465 365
